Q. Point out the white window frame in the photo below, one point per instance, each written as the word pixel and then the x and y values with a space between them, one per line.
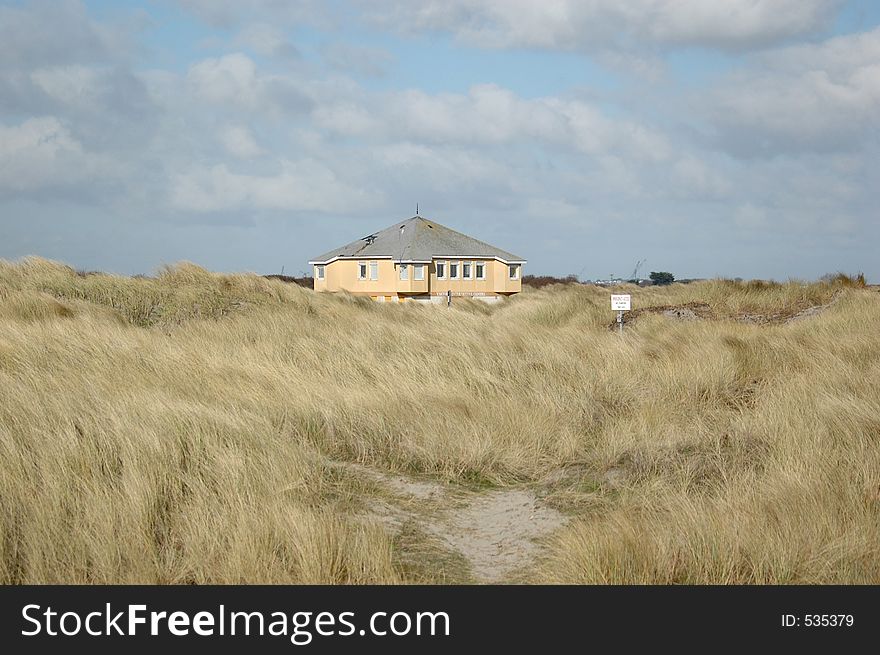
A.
pixel 418 272
pixel 403 272
pixel 467 270
pixel 362 270
pixel 457 270
pixel 319 271
pixel 445 269
pixel 374 270
pixel 481 265
pixel 513 271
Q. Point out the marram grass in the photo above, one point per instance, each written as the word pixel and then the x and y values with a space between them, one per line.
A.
pixel 183 428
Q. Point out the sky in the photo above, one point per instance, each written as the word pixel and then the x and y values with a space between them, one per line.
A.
pixel 734 138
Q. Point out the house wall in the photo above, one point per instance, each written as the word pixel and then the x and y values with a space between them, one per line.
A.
pixel 343 275
pixel 502 281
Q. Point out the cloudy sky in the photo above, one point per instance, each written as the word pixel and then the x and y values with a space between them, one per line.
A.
pixel 731 137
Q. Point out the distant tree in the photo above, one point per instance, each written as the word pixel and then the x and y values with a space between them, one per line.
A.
pixel 661 277
pixel 538 281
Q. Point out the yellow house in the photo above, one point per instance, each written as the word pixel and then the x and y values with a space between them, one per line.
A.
pixel 419 259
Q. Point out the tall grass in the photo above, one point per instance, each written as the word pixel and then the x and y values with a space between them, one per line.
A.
pixel 182 428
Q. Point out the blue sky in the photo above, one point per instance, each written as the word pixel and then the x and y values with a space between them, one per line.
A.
pixel 734 138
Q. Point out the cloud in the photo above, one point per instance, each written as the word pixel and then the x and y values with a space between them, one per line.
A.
pixel 229 13
pixel 234 80
pixel 43 33
pixel 105 106
pixel 304 185
pixel 239 142
pixel 694 178
pixel 574 25
pixel 820 97
pixel 267 40
pixel 40 154
pixel 447 169
pixel 492 115
pixel 358 60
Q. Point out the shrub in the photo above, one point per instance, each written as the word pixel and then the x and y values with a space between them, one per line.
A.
pixel 661 277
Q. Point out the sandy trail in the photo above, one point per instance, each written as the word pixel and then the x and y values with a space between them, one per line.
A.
pixel 495 531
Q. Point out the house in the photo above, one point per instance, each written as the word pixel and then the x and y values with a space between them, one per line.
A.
pixel 418 259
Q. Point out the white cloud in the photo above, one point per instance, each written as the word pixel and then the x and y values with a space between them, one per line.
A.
pixel 267 40
pixel 492 115
pixel 226 13
pixel 602 24
pixel 359 60
pixel 71 85
pixel 235 81
pixel 346 118
pixel 819 97
pixel 750 217
pixel 40 153
pixel 43 33
pixel 695 178
pixel 228 79
pixel 305 185
pixel 239 141
pixel 446 169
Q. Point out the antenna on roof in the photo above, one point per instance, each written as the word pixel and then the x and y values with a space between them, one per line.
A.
pixel 417 209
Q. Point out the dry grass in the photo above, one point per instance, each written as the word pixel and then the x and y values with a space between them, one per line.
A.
pixel 180 428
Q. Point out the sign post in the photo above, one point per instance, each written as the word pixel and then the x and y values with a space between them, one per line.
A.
pixel 621 303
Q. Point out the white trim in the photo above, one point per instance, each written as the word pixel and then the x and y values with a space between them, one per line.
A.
pixel 518 268
pixel 320 273
pixel 457 275
pixel 445 265
pixel 366 274
pixel 360 258
pixel 418 268
pixel 479 277
pixel 401 269
pixel 418 261
pixel 485 257
pixel 374 268
pixel 470 271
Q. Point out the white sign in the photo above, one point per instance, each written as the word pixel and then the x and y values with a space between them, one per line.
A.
pixel 620 303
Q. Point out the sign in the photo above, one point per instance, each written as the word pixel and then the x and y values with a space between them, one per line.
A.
pixel 620 303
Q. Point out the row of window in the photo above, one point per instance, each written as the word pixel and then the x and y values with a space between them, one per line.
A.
pixel 470 270
pixel 455 270
pixel 461 270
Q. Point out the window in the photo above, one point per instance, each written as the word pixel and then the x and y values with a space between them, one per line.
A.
pixel 319 272
pixel 374 270
pixel 441 270
pixel 453 270
pixel 362 270
pixel 466 270
pixel 514 271
pixel 404 272
pixel 481 270
pixel 418 271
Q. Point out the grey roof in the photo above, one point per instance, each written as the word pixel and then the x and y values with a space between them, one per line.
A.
pixel 419 240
